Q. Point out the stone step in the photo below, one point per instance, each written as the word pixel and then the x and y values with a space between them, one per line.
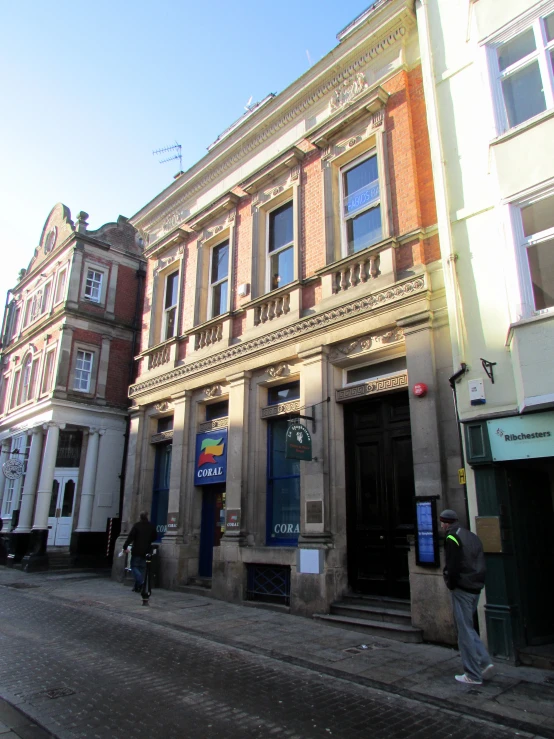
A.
pixel 372 613
pixel 398 632
pixel 379 601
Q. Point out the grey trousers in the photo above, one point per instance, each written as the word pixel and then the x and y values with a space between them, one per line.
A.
pixel 472 650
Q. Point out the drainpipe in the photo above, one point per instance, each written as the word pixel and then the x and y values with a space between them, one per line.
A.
pixel 452 382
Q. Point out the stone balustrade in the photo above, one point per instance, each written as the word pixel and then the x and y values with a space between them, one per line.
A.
pixel 359 270
pixel 208 336
pixel 272 308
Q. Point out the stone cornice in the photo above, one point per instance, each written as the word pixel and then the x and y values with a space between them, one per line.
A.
pixel 323 78
pixel 310 325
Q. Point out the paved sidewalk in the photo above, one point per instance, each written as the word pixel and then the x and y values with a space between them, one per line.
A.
pixel 14 723
pixel 518 697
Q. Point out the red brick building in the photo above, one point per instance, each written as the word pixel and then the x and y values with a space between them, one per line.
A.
pixel 68 342
pixel 295 271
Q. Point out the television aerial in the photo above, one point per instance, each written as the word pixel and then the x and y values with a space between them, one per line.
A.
pixel 176 153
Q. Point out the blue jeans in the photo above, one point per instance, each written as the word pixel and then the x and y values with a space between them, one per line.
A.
pixel 138 568
pixel 472 650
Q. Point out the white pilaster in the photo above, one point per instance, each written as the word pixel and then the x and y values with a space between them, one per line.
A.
pixel 89 480
pixel 30 486
pixel 44 492
pixel 4 454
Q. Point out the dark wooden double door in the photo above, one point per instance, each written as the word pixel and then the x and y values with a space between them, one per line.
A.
pixel 379 495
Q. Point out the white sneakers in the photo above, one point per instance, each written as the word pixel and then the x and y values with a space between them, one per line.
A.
pixel 486 675
pixel 466 679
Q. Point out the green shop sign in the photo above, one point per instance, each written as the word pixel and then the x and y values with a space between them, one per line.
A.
pixel 522 437
pixel 298 443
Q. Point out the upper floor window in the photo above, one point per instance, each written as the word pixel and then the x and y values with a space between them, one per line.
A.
pixel 83 371
pixel 538 239
pixel 170 306
pixel 217 410
pixel 281 246
pixel 60 287
pixel 361 204
pixel 48 372
pixel 46 297
pixel 24 393
pixel 219 279
pixel 524 65
pixel 93 286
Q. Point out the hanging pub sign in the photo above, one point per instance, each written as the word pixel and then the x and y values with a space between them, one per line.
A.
pixel 298 443
pixel 211 457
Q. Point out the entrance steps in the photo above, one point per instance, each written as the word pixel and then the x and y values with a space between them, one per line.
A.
pixel 59 558
pixel 197 586
pixel 541 657
pixel 374 615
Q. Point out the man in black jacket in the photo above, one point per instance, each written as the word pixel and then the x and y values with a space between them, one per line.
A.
pixel 141 537
pixel 464 575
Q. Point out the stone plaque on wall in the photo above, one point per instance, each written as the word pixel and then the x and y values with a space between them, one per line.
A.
pixel 314 511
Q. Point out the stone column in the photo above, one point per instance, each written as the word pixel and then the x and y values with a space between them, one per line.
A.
pixel 89 481
pixel 174 549
pixel 314 480
pixel 30 486
pixel 44 492
pixel 4 455
pixel 420 360
pixel 37 558
pixel 228 570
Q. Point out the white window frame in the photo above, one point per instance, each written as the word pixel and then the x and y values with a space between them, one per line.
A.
pixel 13 487
pixel 213 284
pixel 25 380
pixel 526 307
pixel 50 355
pixel 46 297
pixel 94 280
pixel 541 54
pixel 83 369
pixel 373 152
pixel 168 309
pixel 292 244
pixel 61 286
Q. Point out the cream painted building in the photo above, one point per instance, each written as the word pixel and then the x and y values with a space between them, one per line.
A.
pixel 489 85
pixel 294 277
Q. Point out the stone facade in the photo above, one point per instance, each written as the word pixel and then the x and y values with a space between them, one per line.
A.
pixel 67 348
pixel 335 321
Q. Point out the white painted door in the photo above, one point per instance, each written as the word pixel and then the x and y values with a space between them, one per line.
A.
pixel 62 505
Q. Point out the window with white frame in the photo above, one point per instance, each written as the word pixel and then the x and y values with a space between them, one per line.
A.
pixel 83 371
pixel 537 222
pixel 46 297
pixel 280 246
pixel 361 204
pixel 171 292
pixel 219 279
pixel 48 372
pixel 25 380
pixel 60 286
pixel 524 67
pixel 93 285
pixel 15 385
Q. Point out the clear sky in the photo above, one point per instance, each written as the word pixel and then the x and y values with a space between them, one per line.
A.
pixel 90 89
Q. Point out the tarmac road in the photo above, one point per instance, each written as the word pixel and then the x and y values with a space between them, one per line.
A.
pixel 80 670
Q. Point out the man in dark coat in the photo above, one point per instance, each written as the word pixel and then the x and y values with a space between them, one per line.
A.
pixel 464 575
pixel 141 537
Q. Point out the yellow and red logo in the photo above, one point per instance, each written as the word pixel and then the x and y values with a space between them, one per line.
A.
pixel 210 448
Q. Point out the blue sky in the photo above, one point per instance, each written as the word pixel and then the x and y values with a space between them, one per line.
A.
pixel 90 89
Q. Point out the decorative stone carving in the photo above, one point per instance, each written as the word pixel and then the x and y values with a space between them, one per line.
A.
pixel 163 406
pixel 373 387
pixel 348 91
pixel 213 391
pixel 366 343
pixel 378 118
pixel 162 436
pixel 217 423
pixel 279 370
pixel 280 409
pixel 318 322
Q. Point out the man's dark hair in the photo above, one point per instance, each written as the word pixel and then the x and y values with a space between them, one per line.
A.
pixel 144 515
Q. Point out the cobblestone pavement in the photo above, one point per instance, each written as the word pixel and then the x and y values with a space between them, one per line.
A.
pixel 84 670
